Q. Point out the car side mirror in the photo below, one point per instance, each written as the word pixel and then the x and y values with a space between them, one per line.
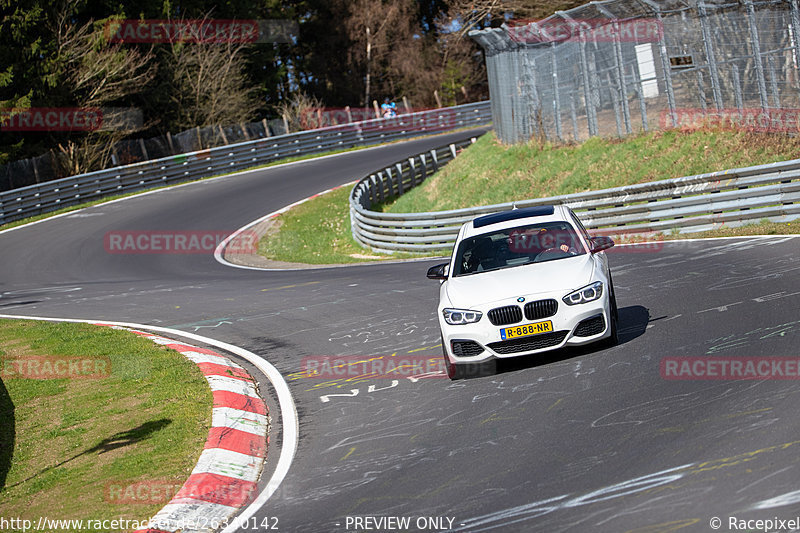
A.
pixel 599 244
pixel 438 271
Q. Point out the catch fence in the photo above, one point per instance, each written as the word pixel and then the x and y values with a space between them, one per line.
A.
pixel 616 67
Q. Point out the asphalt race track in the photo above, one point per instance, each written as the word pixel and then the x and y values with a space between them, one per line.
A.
pixel 583 440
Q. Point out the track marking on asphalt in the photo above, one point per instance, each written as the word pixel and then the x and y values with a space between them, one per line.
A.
pixel 292 286
pixel 289 421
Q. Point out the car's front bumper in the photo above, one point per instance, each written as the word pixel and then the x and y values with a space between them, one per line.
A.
pixel 572 325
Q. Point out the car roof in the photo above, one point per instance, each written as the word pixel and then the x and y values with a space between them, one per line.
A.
pixel 516 217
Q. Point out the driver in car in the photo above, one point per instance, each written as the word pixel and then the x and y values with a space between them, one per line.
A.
pixel 533 241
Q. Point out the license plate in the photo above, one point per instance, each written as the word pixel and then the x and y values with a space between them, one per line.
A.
pixel 526 330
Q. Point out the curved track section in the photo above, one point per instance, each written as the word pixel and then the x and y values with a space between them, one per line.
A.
pixel 584 440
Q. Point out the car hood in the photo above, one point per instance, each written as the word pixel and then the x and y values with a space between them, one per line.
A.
pixel 561 275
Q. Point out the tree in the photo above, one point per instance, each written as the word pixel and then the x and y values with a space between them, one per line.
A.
pixel 209 86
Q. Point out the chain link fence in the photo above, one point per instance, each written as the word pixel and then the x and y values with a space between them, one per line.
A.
pixel 616 67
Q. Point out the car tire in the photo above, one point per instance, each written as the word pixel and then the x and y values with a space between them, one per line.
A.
pixel 613 339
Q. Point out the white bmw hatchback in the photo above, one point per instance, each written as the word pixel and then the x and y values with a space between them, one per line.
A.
pixel 522 282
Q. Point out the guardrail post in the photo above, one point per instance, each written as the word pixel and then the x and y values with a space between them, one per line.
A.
pixel 379 184
pixel 412 165
pixel 400 189
pixel 435 161
pixel 391 182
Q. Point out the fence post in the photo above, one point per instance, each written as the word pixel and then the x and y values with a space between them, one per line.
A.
pixel 665 66
pixel 615 99
pixel 642 105
pixel 756 43
pixel 712 60
pixel 795 16
pixel 556 96
pixel 573 116
pixel 588 95
pixel 773 83
pixel 619 69
pixel 700 90
pixel 737 88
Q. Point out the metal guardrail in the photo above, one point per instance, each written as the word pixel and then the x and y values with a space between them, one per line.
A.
pixel 689 204
pixel 49 196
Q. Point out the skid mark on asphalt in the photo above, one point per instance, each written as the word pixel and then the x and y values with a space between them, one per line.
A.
pixel 721 344
pixel 672 487
pixel 291 286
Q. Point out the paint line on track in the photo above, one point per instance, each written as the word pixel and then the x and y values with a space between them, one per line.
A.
pixel 288 415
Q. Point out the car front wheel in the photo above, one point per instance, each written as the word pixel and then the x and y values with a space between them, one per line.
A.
pixel 613 340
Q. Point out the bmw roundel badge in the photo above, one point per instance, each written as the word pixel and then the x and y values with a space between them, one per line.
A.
pixel 520 299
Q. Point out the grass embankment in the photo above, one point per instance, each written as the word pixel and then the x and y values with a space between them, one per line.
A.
pixel 491 173
pixel 318 232
pixel 76 447
pixel 488 172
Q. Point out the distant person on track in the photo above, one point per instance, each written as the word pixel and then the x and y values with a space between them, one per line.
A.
pixel 388 108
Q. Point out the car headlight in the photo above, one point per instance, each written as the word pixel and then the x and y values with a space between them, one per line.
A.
pixel 461 316
pixel 589 293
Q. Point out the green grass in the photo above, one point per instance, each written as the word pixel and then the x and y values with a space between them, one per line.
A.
pixel 764 227
pixel 318 231
pixel 75 439
pixel 491 173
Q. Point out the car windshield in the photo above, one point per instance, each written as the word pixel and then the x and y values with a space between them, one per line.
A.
pixel 517 246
